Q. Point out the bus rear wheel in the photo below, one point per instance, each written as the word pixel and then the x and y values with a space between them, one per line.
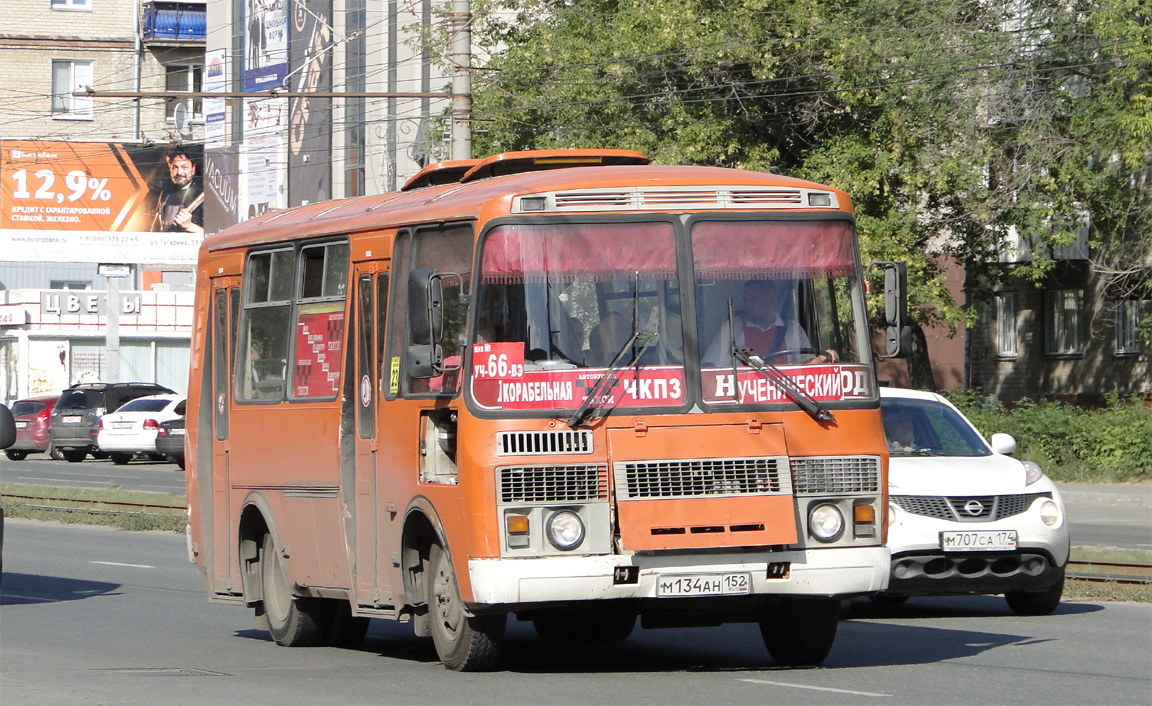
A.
pixel 464 643
pixel 293 621
pixel 799 632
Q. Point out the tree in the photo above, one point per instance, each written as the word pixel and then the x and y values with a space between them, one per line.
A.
pixel 949 123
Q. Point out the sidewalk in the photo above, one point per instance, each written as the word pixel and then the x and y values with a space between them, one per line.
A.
pixel 1129 495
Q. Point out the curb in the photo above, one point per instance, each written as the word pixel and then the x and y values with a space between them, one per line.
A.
pixel 1108 493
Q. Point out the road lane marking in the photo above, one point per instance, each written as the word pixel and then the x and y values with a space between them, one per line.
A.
pixel 815 688
pixel 116 563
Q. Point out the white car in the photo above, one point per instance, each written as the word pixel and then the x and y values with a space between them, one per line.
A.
pixel 964 516
pixel 132 428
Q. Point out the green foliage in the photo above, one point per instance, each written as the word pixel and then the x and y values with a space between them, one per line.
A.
pixel 948 122
pixel 1109 444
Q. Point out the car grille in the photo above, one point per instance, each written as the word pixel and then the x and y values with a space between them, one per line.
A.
pixel 820 475
pixel 968 508
pixel 550 484
pixel 708 477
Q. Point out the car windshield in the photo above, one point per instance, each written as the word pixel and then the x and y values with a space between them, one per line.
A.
pixel 559 303
pixel 917 427
pixel 145 405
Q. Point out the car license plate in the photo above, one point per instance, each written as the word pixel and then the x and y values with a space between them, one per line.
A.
pixel 980 541
pixel 704 585
pixel 122 425
pixel 177 432
pixel 70 419
pixel 21 424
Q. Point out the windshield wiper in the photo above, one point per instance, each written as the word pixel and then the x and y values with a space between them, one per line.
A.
pixel 773 374
pixel 610 379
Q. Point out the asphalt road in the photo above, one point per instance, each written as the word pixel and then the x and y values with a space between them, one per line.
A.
pixel 1100 515
pixel 94 616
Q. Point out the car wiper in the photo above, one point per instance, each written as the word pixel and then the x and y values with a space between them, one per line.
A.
pixel 610 379
pixel 775 375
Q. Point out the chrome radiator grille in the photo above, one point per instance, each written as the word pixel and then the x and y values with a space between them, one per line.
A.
pixel 636 480
pixel 983 508
pixel 550 484
pixel 541 443
pixel 818 475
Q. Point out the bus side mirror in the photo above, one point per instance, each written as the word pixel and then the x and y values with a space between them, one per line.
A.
pixel 424 360
pixel 897 332
pixel 7 427
pixel 425 306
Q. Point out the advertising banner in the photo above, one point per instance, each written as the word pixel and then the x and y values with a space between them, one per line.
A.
pixel 221 189
pixel 265 44
pixel 310 119
pixel 215 81
pixel 100 202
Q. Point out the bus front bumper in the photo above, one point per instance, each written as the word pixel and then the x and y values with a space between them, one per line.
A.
pixel 823 572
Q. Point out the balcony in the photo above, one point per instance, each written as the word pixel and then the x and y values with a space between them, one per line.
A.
pixel 178 22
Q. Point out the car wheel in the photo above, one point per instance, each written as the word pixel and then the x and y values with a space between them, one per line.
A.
pixel 16 455
pixel 121 459
pixel 179 461
pixel 73 455
pixel 55 453
pixel 293 622
pixel 1038 602
pixel 799 632
pixel 100 455
pixel 464 643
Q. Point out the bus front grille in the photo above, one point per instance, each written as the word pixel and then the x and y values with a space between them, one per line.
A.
pixel 543 443
pixel 819 475
pixel 551 484
pixel 652 480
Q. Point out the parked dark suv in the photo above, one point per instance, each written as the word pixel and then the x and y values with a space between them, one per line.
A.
pixel 75 420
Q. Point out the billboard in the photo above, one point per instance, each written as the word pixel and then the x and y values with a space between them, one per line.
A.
pixel 310 119
pixel 265 44
pixel 100 202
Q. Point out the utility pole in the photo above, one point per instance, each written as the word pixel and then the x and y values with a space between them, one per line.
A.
pixel 461 79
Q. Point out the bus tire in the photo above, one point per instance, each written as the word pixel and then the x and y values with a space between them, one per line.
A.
pixel 464 643
pixel 345 629
pixel 292 621
pixel 799 632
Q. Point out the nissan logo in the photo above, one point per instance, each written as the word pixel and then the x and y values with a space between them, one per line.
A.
pixel 974 508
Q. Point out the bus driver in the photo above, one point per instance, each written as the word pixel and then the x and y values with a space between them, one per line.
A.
pixel 762 326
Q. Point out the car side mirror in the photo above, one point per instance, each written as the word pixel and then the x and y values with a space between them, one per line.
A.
pixel 1003 444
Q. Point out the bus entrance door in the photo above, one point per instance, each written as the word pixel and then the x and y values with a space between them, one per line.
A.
pixel 225 310
pixel 371 309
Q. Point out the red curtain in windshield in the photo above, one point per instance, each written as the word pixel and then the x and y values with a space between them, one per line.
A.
pixel 784 249
pixel 589 251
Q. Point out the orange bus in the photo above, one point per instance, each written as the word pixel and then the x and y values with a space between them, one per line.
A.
pixel 566 385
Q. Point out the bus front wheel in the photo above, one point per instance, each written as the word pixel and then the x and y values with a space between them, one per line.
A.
pixel 799 632
pixel 464 643
pixel 293 622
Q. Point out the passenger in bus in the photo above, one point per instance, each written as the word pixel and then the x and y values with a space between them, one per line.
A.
pixel 763 326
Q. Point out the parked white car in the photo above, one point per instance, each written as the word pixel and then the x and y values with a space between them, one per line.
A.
pixel 132 428
pixel 964 516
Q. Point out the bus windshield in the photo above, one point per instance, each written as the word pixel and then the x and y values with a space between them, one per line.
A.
pixel 557 304
pixel 787 292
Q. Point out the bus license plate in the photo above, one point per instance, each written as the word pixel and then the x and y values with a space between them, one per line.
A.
pixel 71 419
pixel 704 585
pixel 981 541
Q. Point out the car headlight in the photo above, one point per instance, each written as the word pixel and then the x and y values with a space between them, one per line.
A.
pixel 1032 472
pixel 565 530
pixel 825 523
pixel 1050 512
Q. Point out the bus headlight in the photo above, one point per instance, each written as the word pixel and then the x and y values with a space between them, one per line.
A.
pixel 1050 512
pixel 565 530
pixel 825 523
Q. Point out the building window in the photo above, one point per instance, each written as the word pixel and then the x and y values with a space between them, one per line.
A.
pixel 67 77
pixel 1006 325
pixel 1127 327
pixel 74 5
pixel 184 78
pixel 1064 327
pixel 355 67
